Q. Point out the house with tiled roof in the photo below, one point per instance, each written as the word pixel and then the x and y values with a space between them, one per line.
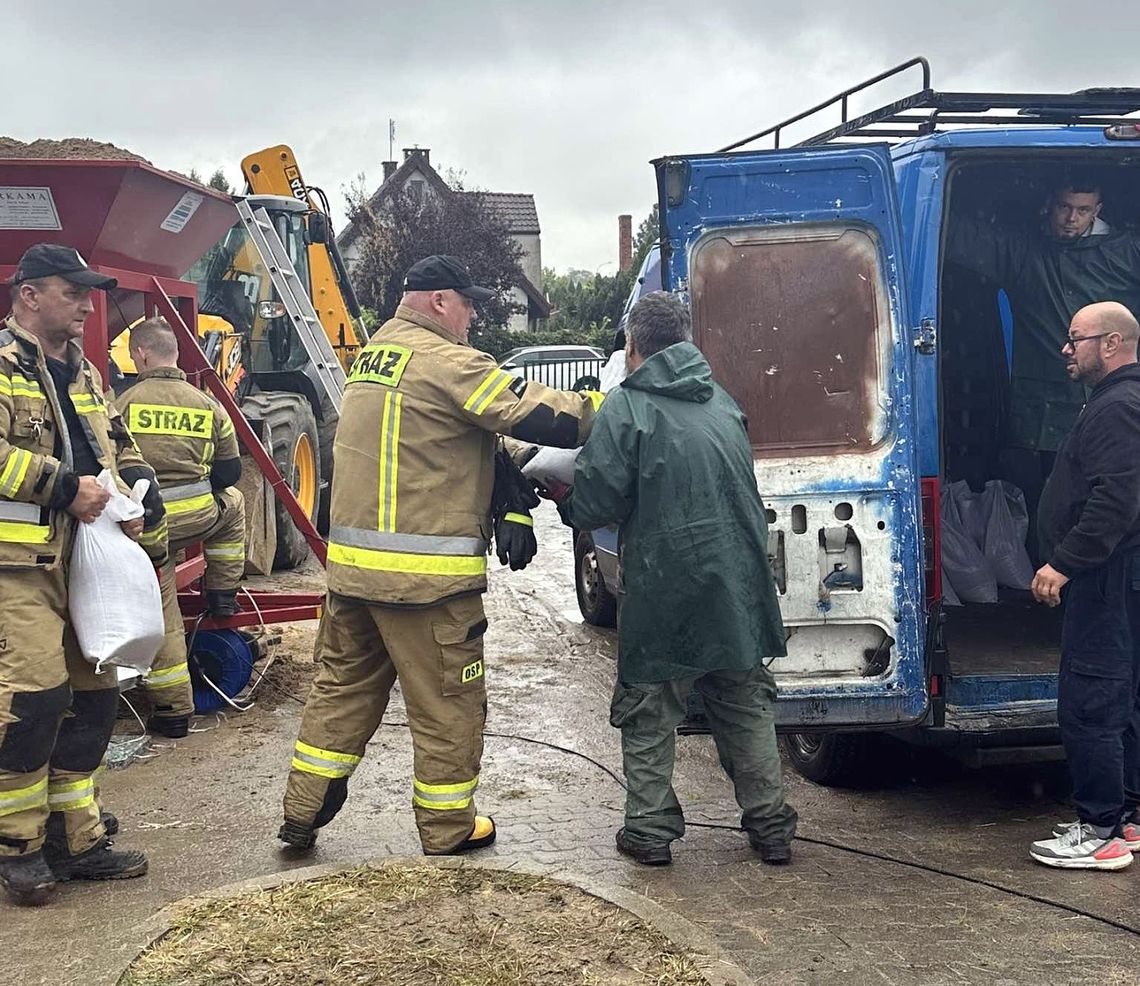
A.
pixel 416 176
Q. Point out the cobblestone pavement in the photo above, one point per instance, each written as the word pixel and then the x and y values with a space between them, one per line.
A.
pixel 206 811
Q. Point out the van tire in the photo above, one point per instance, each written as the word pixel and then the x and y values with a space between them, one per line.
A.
pixel 596 603
pixel 835 759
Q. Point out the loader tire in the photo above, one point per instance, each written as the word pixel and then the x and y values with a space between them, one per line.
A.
pixel 293 433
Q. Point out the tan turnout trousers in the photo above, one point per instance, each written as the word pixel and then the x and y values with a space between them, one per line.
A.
pixel 436 653
pixel 222 533
pixel 56 716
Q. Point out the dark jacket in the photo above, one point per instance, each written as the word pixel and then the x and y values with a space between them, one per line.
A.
pixel 1047 282
pixel 1091 503
pixel 669 460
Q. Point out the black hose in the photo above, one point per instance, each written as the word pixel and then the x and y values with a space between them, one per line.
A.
pixel 865 853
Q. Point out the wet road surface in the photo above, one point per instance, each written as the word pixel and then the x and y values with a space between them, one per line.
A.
pixel 206 810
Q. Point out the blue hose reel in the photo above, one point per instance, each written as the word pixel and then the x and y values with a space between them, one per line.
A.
pixel 225 657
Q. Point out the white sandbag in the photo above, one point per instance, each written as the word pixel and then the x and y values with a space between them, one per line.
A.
pixel 964 564
pixel 113 594
pixel 552 464
pixel 1007 524
pixel 557 464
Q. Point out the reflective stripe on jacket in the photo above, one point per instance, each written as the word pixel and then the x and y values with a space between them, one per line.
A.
pixel 414 451
pixel 180 430
pixel 35 448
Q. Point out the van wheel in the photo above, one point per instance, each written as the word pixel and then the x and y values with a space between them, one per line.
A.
pixel 834 759
pixel 596 602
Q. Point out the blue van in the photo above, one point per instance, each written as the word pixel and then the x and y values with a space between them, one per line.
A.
pixel 874 372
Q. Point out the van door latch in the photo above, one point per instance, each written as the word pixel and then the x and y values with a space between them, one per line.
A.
pixel 926 339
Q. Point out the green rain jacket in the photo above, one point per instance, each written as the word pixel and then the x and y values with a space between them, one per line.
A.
pixel 670 462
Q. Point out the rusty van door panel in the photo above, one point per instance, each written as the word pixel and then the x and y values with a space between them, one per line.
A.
pixel 790 262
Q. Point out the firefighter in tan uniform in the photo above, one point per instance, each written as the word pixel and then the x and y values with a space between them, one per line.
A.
pixel 189 440
pixel 56 714
pixel 407 557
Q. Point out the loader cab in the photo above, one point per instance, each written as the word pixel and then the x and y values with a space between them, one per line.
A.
pixel 874 374
pixel 234 284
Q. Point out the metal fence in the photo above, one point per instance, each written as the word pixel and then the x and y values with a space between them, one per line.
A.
pixel 564 374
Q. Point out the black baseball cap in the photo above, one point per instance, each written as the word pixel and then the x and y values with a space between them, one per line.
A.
pixel 52 259
pixel 444 273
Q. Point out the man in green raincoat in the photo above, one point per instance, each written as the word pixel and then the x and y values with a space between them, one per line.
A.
pixel 670 462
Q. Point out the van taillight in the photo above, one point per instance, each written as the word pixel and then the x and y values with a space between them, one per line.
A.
pixel 932 537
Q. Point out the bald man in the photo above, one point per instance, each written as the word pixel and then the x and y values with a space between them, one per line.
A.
pixel 1089 527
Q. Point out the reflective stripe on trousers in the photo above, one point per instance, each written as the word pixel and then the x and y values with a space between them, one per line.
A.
pixel 323 763
pixel 176 674
pixel 420 554
pixel 443 797
pixel 225 551
pixel 24 798
pixel 72 795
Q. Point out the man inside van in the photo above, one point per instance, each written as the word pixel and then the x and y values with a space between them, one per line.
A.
pixel 1073 260
pixel 1089 524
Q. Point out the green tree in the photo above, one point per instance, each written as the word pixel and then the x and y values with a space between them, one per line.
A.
pixel 217 180
pixel 404 228
pixel 648 233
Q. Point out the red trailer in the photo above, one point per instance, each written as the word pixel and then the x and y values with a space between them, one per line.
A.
pixel 146 228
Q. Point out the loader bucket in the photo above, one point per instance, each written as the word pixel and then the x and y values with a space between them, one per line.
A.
pixel 120 214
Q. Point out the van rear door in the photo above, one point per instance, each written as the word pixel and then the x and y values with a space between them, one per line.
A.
pixel 791 261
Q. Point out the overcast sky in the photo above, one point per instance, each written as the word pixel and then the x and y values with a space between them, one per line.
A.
pixel 566 100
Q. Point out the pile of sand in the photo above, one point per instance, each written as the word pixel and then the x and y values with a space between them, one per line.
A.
pixel 70 148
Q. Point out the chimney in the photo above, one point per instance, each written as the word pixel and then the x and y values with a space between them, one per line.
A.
pixel 625 242
pixel 389 169
pixel 418 152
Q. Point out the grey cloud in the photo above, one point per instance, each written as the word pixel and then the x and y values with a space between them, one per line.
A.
pixel 568 101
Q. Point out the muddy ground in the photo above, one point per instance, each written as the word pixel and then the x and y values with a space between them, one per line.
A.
pixel 206 810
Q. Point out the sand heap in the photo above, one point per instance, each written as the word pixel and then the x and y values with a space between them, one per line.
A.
pixel 70 148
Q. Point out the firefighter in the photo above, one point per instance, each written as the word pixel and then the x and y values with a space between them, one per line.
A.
pixel 189 439
pixel 56 714
pixel 415 456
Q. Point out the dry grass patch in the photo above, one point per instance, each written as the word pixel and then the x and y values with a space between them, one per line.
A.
pixel 412 925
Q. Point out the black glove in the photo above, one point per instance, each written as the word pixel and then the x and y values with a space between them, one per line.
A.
pixel 514 540
pixel 511 503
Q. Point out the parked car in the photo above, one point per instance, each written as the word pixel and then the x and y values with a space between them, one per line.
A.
pixel 560 367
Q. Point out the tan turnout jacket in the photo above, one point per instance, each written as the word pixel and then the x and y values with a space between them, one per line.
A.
pixel 35 448
pixel 414 452
pixel 180 431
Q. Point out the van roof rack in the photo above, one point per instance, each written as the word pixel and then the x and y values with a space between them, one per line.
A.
pixel 924 111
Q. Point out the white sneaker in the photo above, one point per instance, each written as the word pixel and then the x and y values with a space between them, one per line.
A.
pixel 1131 833
pixel 1080 848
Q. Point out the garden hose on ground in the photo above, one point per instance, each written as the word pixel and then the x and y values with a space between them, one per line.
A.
pixel 810 840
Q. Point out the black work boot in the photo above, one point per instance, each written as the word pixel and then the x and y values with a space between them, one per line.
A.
pixel 172 727
pixel 297 835
pixel 222 602
pixel 100 862
pixel 27 879
pixel 658 854
pixel 774 852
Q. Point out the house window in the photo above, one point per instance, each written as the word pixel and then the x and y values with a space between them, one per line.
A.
pixel 416 190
